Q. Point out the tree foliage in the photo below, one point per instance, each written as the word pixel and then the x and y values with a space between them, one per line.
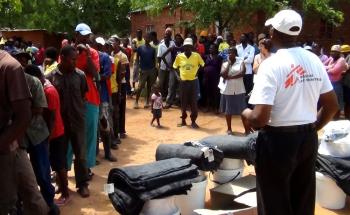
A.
pixel 103 16
pixel 230 13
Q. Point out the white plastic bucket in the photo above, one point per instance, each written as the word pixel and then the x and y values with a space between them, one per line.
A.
pixel 164 206
pixel 222 176
pixel 229 164
pixel 328 194
pixel 195 198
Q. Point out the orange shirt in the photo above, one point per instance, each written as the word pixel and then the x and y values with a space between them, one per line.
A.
pixel 92 96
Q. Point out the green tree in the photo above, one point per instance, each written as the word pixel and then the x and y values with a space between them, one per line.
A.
pixel 231 13
pixel 104 16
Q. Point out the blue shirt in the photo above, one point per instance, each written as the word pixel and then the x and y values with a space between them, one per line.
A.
pixel 106 72
pixel 147 56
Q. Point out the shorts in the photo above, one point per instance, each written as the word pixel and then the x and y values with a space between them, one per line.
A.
pixel 58 153
pixel 136 72
pixel 157 113
pixel 148 76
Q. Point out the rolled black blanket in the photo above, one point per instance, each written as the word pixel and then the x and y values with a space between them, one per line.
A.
pixel 206 158
pixel 336 168
pixel 235 147
pixel 134 185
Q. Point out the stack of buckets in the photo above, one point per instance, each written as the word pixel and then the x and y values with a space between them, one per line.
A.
pixel 229 170
pixel 328 194
pixel 195 199
pixel 181 204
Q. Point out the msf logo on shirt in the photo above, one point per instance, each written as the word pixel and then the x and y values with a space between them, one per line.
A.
pixel 293 76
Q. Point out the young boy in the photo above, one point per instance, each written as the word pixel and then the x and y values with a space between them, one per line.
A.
pixel 157 105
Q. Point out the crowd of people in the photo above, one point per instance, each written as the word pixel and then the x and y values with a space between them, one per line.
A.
pixel 76 98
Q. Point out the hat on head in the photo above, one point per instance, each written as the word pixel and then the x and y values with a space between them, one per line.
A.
pixel 83 29
pixel 336 48
pixel 203 34
pixel 345 48
pixel 286 21
pixel 307 47
pixel 219 37
pixel 168 29
pixel 261 36
pixel 188 42
pixel 100 40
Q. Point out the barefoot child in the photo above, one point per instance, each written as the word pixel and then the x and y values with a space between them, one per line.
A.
pixel 157 105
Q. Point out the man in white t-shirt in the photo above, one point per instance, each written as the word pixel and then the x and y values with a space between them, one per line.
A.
pixel 285 95
pixel 163 74
pixel 247 53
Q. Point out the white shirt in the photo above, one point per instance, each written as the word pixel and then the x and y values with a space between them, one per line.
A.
pixel 291 81
pixel 157 101
pixel 248 53
pixel 232 86
pixel 162 48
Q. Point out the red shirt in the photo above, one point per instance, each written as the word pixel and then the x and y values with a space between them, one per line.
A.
pixel 53 104
pixel 201 49
pixel 92 96
pixel 128 52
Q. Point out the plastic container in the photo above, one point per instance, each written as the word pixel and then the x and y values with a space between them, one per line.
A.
pixel 195 198
pixel 222 176
pixel 328 194
pixel 164 206
pixel 229 164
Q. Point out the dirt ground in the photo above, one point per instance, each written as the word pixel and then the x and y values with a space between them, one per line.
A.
pixel 139 147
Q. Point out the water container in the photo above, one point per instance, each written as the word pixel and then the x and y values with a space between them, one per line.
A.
pixel 164 206
pixel 229 164
pixel 222 176
pixel 195 198
pixel 328 194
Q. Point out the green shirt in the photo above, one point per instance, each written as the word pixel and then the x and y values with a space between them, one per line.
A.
pixel 37 131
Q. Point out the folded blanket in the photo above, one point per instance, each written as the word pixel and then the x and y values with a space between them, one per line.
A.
pixel 206 158
pixel 136 184
pixel 336 168
pixel 235 147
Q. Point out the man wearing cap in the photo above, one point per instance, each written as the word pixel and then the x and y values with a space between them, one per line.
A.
pixel 88 61
pixel 285 95
pixel 188 64
pixel 105 74
pixel 336 67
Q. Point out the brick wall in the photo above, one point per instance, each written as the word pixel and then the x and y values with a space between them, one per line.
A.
pixel 314 29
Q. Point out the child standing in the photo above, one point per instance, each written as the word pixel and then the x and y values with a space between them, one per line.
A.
pixel 157 105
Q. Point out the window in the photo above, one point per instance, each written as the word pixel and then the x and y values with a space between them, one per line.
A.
pixel 149 28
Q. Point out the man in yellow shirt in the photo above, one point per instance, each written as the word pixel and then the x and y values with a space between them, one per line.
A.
pixel 187 65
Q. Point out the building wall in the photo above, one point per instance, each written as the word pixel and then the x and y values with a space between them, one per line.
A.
pixel 314 28
pixel 41 37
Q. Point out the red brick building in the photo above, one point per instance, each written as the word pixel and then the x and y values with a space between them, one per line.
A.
pixel 37 36
pixel 314 29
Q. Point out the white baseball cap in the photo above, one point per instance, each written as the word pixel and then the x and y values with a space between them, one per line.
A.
pixel 284 22
pixel 100 40
pixel 307 47
pixel 188 42
pixel 83 29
